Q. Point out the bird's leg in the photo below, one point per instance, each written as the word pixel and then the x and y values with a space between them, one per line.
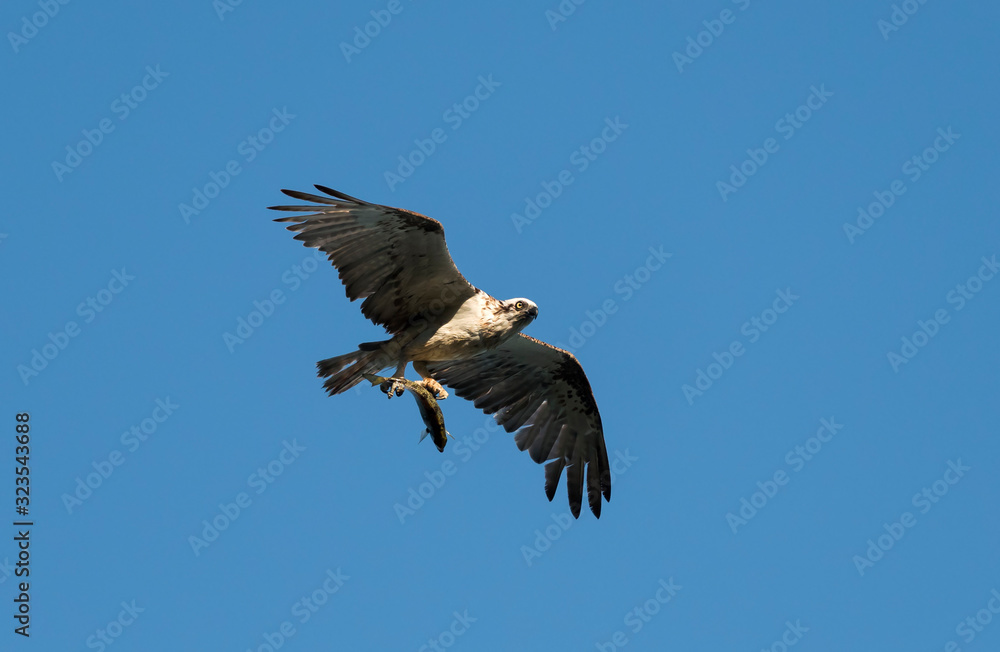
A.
pixel 432 385
pixel 392 386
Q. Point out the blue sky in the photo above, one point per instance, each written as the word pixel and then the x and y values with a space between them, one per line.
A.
pixel 767 229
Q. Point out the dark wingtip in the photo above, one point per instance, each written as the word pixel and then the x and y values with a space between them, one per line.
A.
pixel 553 470
pixel 594 481
pixel 338 194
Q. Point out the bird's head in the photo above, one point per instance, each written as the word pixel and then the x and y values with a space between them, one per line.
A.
pixel 520 312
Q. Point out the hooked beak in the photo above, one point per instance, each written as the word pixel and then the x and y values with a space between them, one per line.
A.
pixel 533 311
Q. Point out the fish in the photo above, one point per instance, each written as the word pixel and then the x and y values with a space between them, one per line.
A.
pixel 430 411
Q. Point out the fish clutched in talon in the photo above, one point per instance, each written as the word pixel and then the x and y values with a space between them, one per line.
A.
pixel 430 411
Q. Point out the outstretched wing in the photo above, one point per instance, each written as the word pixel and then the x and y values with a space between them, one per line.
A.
pixel 394 259
pixel 540 391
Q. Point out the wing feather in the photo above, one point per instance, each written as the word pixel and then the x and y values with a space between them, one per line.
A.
pixel 553 470
pixel 541 393
pixel 394 259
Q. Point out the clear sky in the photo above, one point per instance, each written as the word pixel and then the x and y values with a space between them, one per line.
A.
pixel 768 230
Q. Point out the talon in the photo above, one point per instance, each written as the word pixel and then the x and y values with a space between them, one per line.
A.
pixel 386 387
pixel 392 387
pixel 435 388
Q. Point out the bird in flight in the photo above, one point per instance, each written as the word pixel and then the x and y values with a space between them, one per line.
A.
pixel 455 335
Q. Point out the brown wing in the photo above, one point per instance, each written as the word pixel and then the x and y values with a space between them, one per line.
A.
pixel 541 392
pixel 394 259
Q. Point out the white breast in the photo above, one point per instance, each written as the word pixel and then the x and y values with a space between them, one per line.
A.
pixel 459 337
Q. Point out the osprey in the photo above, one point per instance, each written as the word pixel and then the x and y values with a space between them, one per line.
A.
pixel 455 334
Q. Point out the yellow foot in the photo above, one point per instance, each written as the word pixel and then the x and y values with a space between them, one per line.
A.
pixel 435 388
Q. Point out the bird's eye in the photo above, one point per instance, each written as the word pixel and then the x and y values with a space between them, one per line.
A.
pixel 519 305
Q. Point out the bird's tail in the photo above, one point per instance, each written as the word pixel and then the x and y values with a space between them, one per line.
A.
pixel 343 372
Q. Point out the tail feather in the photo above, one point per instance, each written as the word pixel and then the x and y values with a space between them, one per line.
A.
pixel 343 372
